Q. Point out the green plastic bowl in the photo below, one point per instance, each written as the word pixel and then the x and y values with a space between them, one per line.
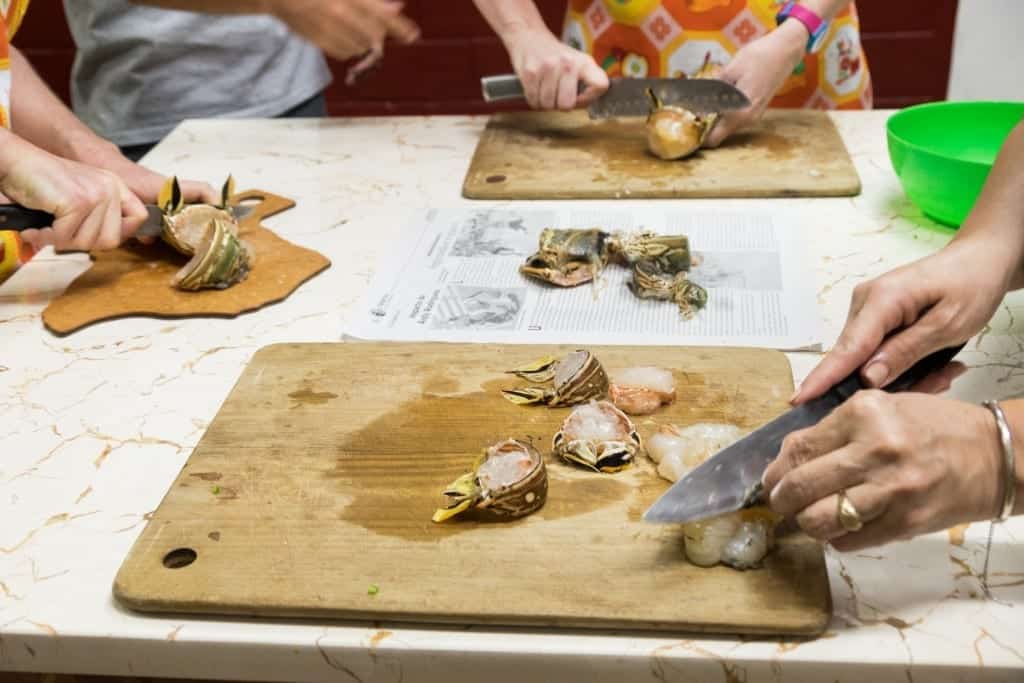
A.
pixel 943 152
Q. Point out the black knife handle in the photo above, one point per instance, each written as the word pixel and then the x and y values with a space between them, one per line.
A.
pixel 16 217
pixel 923 368
pixel 917 372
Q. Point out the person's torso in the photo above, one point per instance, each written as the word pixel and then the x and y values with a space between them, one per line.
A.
pixel 671 38
pixel 140 71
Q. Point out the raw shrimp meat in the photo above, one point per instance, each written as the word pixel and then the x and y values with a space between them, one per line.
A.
pixel 739 539
pixel 641 390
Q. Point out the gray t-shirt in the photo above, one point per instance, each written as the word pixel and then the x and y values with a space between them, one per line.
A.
pixel 140 71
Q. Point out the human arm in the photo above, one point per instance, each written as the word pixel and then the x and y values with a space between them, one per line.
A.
pixel 941 300
pixel 40 118
pixel 761 67
pixel 341 28
pixel 550 70
pixel 93 208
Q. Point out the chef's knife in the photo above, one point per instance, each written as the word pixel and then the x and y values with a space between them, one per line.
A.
pixel 731 479
pixel 16 217
pixel 628 96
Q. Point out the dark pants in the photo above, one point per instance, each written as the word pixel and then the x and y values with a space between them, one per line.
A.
pixel 314 107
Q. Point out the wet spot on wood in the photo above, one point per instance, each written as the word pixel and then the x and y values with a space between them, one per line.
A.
pixel 440 384
pixel 224 493
pixel 309 397
pixel 772 145
pixel 397 465
pixel 207 476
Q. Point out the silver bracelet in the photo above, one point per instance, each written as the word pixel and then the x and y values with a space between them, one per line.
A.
pixel 1009 461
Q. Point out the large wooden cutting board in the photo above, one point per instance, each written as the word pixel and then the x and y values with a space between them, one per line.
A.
pixel 319 475
pixel 553 155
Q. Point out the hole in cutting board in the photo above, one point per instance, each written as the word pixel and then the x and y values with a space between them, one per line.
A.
pixel 180 557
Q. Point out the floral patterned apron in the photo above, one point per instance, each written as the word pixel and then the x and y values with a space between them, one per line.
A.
pixel 12 252
pixel 670 38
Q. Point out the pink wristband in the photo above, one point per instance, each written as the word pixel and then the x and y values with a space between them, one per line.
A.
pixel 814 24
pixel 806 17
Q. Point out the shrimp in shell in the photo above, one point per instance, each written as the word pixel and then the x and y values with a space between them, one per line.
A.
pixel 599 436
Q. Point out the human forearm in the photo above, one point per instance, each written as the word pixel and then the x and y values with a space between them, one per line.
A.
pixel 998 214
pixel 41 118
pixel 793 34
pixel 44 122
pixel 508 17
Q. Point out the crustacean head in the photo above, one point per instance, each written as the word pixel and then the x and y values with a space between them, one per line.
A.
pixel 651 283
pixel 568 257
pixel 219 261
pixel 576 378
pixel 668 253
pixel 207 233
pixel 186 224
pixel 509 480
pixel 674 132
pixel 599 436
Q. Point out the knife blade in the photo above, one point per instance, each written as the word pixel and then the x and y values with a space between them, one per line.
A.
pixel 628 96
pixel 731 479
pixel 18 218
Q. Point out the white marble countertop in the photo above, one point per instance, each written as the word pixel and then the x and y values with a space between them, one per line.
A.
pixel 95 426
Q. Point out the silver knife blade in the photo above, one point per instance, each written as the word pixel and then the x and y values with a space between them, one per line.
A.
pixel 154 223
pixel 731 479
pixel 628 96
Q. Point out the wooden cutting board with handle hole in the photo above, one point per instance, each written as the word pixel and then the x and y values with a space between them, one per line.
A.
pixel 555 155
pixel 311 495
pixel 136 279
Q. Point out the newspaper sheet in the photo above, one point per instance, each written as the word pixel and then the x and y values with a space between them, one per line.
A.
pixel 458 280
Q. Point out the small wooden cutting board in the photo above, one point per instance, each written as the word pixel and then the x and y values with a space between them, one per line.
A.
pixel 135 280
pixel 555 155
pixel 311 495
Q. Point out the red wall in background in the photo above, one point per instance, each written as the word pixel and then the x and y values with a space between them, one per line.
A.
pixel 908 42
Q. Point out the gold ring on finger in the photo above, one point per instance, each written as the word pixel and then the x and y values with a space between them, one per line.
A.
pixel 847 514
